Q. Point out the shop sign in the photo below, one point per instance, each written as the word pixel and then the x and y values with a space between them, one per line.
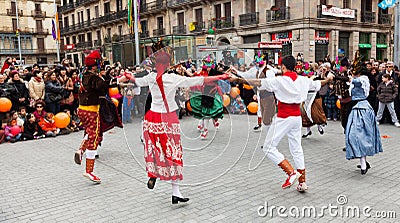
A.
pixel 321 37
pixel 69 47
pixel 282 37
pixel 270 45
pixel 338 12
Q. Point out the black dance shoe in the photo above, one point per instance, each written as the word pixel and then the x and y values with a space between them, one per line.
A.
pixel 363 172
pixel 151 183
pixel 307 134
pixel 344 150
pixel 176 199
pixel 368 166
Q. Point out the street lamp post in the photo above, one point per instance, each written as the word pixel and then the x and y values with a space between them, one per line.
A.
pixel 18 36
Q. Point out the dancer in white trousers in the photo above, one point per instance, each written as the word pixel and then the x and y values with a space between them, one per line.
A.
pixel 290 90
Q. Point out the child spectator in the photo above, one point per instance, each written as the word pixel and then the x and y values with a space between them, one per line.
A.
pixel 48 126
pixel 22 113
pixel 32 130
pixel 14 116
pixel 330 104
pixel 11 135
pixel 39 113
pixel 387 92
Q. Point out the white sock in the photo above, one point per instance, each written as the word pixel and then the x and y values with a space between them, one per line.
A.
pixel 175 189
pixel 206 122
pixel 363 161
pixel 267 128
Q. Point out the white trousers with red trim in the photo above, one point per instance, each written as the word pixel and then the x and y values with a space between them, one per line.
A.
pixel 280 127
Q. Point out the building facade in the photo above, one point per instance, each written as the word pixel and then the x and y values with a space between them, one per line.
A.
pixel 313 28
pixel 35 31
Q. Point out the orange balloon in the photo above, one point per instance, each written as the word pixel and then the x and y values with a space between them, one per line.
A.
pixel 252 107
pixel 227 100
pixel 113 91
pixel 5 104
pixel 247 87
pixel 188 107
pixel 115 101
pixel 234 92
pixel 61 120
pixel 338 103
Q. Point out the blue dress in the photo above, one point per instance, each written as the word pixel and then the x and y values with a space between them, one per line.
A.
pixel 362 132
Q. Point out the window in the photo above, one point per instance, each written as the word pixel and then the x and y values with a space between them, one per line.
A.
pixel 38 8
pixel 39 25
pixel 67 40
pixel 181 19
pixel 74 39
pixel 217 9
pixel 160 23
pixel 119 5
pixel 143 24
pixel 380 38
pixel 366 5
pixel 73 19
pixel 98 34
pixel 89 37
pixel 109 32
pixel 80 17
pixel 282 3
pixel 96 11
pixel 323 2
pixel 346 4
pixel 250 6
pixel 14 24
pixel 40 44
pixel 228 12
pixel 120 30
pixel 13 7
pixel 14 41
pixel 198 15
pixel 66 22
pixel 81 37
pixel 88 14
pixel 107 8
pixel 365 38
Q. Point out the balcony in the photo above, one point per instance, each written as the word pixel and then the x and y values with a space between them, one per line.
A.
pixel 153 7
pixel 222 23
pixel 38 14
pixel 385 19
pixel 97 42
pixel 179 29
pixel 144 34
pixel 42 31
pixel 159 32
pixel 248 19
pixel 27 51
pixel 86 2
pixel 368 17
pixel 180 3
pixel 67 7
pixel 321 16
pixel 14 12
pixel 87 44
pixel 199 26
pixel 278 14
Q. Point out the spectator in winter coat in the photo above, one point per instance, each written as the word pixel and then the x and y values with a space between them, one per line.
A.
pixel 36 86
pixel 387 92
pixel 32 130
pixel 21 95
pixel 48 126
pixel 53 95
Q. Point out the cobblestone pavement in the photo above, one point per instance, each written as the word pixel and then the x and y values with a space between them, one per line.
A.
pixel 223 177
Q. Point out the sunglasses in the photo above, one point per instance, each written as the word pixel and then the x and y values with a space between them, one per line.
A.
pixel 39 106
pixel 389 66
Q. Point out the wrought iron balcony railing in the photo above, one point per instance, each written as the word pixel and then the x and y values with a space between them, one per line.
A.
pixel 248 19
pixel 14 12
pixel 385 19
pixel 67 7
pixel 278 14
pixel 199 26
pixel 86 44
pixel 144 34
pixel 153 6
pixel 179 29
pixel 159 32
pixel 368 17
pixel 40 14
pixel 222 23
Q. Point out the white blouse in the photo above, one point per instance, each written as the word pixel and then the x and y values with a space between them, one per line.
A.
pixel 171 83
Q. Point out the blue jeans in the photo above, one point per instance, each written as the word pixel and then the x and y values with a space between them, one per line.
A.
pixel 53 107
pixel 17 137
pixel 332 112
pixel 128 106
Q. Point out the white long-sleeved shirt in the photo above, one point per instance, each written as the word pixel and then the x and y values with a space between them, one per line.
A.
pixel 288 91
pixel 252 72
pixel 171 83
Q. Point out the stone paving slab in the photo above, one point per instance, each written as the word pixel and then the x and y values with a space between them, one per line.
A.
pixel 225 178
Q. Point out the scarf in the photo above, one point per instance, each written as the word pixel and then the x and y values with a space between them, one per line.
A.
pixel 38 79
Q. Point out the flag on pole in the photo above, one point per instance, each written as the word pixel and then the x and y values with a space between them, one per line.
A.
pixel 130 11
pixel 386 4
pixel 57 27
pixel 139 24
pixel 53 29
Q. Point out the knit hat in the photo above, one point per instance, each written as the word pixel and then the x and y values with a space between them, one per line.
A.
pixel 93 59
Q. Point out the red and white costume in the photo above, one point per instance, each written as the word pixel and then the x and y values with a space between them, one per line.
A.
pixel 290 90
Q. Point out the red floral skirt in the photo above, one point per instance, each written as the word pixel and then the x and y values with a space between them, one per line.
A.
pixel 162 145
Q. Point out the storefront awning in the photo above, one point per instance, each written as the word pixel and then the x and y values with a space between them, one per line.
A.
pixel 364 45
pixel 381 46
